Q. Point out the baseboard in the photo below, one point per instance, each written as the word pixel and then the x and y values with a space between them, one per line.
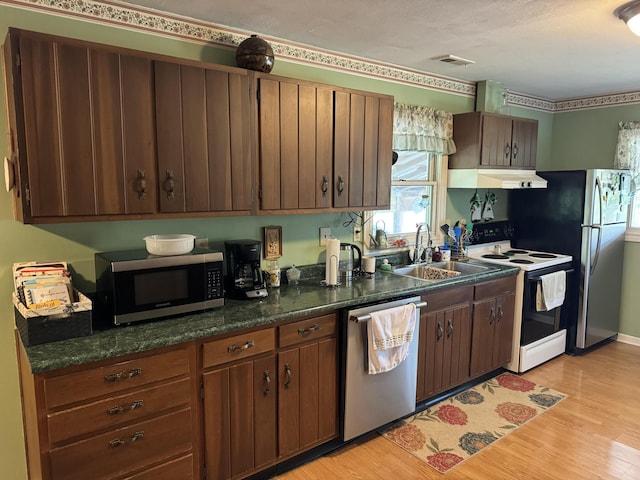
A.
pixel 628 339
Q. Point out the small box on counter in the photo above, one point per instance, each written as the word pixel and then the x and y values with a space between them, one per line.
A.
pixel 47 308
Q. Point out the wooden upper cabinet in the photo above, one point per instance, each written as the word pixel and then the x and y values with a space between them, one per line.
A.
pixel 524 140
pixel 362 150
pixel 204 138
pixel 295 144
pixel 489 140
pixel 322 147
pixel 106 133
pixel 496 141
pixel 87 126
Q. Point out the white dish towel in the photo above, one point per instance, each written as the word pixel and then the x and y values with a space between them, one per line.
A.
pixel 389 333
pixel 550 291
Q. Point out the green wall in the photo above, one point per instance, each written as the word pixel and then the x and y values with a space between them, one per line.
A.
pixel 76 243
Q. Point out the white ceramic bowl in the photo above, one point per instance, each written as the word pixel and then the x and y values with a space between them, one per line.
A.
pixel 170 244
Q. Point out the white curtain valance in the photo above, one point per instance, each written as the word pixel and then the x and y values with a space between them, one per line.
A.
pixel 422 129
pixel 628 148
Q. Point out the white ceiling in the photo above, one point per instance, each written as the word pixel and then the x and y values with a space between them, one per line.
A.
pixel 551 49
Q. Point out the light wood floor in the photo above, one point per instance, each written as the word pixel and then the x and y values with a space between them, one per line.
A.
pixel 593 434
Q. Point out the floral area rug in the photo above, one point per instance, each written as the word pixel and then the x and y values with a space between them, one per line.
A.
pixel 449 432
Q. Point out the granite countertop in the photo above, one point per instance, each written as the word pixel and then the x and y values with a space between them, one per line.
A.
pixel 289 301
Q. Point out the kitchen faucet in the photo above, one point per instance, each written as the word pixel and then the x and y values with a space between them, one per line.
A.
pixel 417 251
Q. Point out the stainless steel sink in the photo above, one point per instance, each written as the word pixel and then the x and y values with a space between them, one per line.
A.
pixel 441 270
pixel 463 267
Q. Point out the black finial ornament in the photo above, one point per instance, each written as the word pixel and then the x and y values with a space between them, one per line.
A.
pixel 254 53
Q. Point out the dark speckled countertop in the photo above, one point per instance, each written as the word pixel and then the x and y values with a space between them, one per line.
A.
pixel 288 301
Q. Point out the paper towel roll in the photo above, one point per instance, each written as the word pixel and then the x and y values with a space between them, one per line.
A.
pixel 333 254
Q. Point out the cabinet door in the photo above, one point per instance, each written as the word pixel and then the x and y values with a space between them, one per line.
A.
pixel 88 117
pixel 503 335
pixel 524 143
pixel 444 351
pixel 308 396
pixel 496 141
pixel 362 150
pixel 202 118
pixel 482 340
pixel 296 141
pixel 240 418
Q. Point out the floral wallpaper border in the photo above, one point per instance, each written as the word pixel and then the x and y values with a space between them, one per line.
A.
pixel 140 18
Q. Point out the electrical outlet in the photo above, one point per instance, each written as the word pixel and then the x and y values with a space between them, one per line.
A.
pixel 202 243
pixel 357 233
pixel 325 232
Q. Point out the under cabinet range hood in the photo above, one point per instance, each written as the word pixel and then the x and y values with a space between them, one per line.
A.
pixel 494 178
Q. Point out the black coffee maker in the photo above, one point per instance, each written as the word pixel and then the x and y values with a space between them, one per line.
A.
pixel 244 278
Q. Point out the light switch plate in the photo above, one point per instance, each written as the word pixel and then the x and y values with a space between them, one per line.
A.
pixel 357 233
pixel 325 232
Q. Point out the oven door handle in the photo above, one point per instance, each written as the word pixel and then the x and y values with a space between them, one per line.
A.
pixel 537 279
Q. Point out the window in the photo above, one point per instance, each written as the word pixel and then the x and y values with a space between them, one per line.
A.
pixel 628 156
pixel 423 138
pixel 416 197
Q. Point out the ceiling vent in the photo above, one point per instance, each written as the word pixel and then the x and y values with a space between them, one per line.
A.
pixel 453 60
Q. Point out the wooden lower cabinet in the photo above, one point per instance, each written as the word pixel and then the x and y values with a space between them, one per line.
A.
pixel 465 332
pixel 132 417
pixel 445 341
pixel 307 396
pixel 264 401
pixel 240 418
pixel 129 448
pixel 493 312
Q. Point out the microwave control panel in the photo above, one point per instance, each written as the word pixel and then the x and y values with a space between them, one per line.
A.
pixel 214 281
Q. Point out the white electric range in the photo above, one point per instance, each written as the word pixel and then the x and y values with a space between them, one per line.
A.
pixel 527 260
pixel 539 334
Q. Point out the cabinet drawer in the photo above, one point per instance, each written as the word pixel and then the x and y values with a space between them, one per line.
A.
pixel 306 330
pixel 447 298
pixel 110 379
pixel 237 347
pixel 180 468
pixel 495 288
pixel 116 411
pixel 120 451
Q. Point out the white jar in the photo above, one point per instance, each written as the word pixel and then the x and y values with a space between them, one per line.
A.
pixel 273 274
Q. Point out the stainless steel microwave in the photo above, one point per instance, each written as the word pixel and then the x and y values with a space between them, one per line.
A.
pixel 133 286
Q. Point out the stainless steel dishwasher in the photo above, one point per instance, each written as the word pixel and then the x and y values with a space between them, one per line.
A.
pixel 371 401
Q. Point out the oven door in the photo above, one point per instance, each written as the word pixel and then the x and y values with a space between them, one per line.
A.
pixel 539 324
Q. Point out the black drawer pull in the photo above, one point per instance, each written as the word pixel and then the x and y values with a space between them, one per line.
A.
pixel 119 409
pixel 236 348
pixel 305 331
pixel 120 376
pixel 118 442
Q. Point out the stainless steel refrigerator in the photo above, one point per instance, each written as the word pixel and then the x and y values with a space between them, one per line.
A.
pixel 582 213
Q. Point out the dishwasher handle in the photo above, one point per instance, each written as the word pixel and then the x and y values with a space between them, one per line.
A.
pixel 367 317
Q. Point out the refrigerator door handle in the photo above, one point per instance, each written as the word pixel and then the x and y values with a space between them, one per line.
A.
pixel 598 192
pixel 598 225
pixel 594 260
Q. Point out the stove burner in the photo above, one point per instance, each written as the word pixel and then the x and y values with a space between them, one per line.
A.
pixel 521 260
pixel 515 252
pixel 495 256
pixel 542 255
